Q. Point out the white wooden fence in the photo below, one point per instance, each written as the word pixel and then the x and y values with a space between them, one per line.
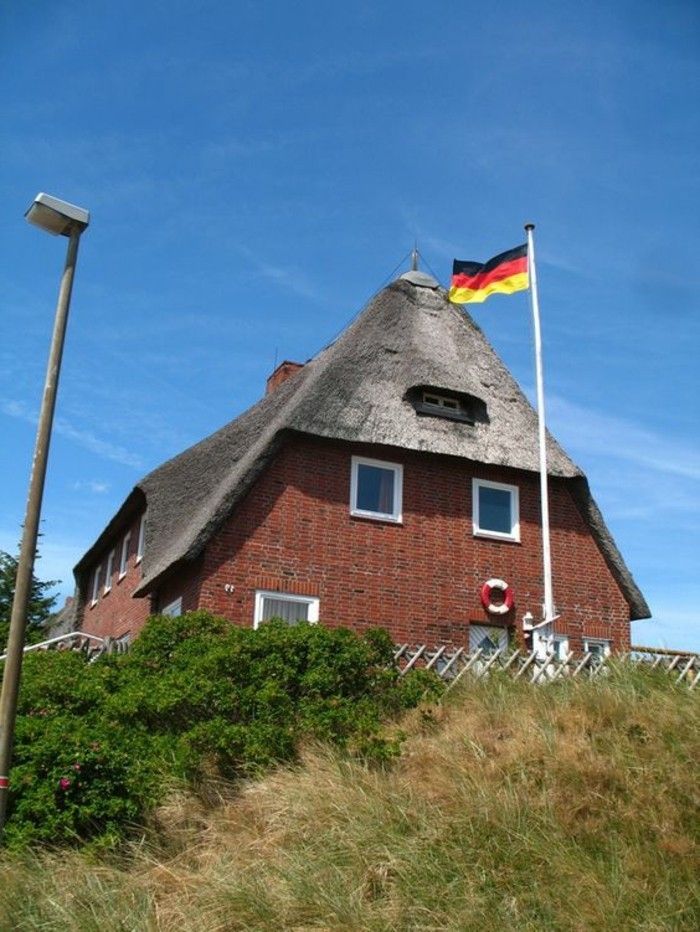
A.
pixel 452 664
pixel 89 644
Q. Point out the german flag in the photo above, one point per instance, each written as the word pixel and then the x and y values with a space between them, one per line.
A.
pixel 473 282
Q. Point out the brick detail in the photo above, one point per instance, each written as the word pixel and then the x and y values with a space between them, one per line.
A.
pixel 281 374
pixel 420 579
pixel 116 613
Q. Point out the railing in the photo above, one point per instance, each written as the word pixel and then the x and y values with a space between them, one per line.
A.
pixel 90 644
pixel 452 664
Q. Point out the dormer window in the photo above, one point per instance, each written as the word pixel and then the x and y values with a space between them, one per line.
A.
pixel 444 403
pixel 440 401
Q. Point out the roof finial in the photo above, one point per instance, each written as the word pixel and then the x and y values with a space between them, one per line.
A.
pixel 414 257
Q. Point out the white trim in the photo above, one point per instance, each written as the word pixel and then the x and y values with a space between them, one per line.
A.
pixel 441 402
pixel 96 584
pixel 598 642
pixel 109 571
pixel 261 594
pixel 497 634
pixel 560 646
pixel 514 534
pixel 395 515
pixel 173 609
pixel 142 539
pixel 124 557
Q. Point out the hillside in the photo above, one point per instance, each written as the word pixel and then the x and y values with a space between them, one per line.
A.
pixel 572 806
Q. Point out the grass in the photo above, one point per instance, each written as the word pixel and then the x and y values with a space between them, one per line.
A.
pixel 572 806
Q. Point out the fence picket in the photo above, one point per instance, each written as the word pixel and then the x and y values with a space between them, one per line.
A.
pixel 453 663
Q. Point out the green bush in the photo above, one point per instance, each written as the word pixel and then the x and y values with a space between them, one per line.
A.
pixel 96 743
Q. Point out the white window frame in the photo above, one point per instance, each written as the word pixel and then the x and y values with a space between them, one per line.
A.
pixel 560 646
pixel 96 584
pixel 124 557
pixel 396 514
pixel 261 594
pixel 109 572
pixel 442 402
pixel 514 491
pixel 500 633
pixel 606 644
pixel 173 609
pixel 142 540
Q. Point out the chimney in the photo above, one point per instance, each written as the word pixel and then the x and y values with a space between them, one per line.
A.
pixel 281 374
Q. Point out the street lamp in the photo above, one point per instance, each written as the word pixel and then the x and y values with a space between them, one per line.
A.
pixel 59 218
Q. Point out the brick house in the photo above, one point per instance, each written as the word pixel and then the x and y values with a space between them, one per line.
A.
pixel 381 483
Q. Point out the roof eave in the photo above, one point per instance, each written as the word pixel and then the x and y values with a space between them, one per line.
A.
pixel 130 507
pixel 591 514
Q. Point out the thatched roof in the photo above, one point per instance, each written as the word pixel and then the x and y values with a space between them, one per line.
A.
pixel 359 389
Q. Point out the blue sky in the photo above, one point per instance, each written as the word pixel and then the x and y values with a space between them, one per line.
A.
pixel 257 170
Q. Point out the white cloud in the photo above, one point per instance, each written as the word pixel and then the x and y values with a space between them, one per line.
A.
pixel 289 278
pixel 93 485
pixel 83 438
pixel 585 429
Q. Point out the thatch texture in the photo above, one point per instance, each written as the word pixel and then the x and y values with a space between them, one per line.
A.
pixel 356 390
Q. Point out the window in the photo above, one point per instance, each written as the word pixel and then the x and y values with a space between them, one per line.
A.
pixel 433 401
pixel 174 609
pixel 376 489
pixel 96 584
pixel 487 638
pixel 495 510
pixel 440 401
pixel 142 539
pixel 290 608
pixel 124 559
pixel 108 573
pixel 560 646
pixel 598 648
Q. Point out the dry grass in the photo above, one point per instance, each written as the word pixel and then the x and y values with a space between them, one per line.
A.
pixel 568 807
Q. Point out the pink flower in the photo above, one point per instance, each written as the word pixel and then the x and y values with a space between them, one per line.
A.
pixel 63 783
pixel 76 766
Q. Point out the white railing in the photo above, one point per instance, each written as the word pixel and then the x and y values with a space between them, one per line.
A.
pixel 90 644
pixel 452 664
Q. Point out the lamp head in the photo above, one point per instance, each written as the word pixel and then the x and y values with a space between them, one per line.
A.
pixel 57 217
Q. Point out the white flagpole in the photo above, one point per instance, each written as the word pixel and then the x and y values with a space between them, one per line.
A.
pixel 544 496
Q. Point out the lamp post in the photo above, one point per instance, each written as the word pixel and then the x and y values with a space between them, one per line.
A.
pixel 59 218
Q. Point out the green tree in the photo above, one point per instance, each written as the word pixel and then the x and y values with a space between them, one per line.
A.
pixel 41 604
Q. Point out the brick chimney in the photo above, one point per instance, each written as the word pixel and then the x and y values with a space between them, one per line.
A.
pixel 281 374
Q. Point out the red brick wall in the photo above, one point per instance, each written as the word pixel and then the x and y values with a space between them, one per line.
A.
pixel 420 579
pixel 184 584
pixel 116 613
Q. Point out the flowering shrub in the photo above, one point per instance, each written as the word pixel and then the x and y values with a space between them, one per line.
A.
pixel 96 743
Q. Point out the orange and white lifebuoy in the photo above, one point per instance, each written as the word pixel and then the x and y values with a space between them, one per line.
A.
pixel 508 598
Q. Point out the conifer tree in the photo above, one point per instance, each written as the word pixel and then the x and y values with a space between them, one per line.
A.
pixel 41 604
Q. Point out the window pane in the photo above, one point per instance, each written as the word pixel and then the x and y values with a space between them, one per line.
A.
pixel 286 609
pixel 174 609
pixel 488 638
pixel 494 510
pixel 375 489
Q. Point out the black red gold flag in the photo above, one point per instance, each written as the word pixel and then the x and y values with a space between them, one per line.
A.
pixel 473 282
